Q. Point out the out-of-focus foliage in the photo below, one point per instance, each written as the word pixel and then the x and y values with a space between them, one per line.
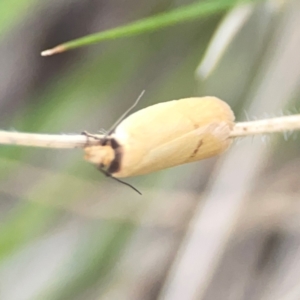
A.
pixel 69 233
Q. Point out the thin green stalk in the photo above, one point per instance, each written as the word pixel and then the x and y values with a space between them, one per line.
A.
pixel 177 16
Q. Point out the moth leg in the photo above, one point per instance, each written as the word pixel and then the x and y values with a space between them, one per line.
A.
pixel 91 135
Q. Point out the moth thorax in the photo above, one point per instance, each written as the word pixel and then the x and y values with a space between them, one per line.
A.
pixel 100 155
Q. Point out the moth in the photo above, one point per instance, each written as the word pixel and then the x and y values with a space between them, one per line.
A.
pixel 163 135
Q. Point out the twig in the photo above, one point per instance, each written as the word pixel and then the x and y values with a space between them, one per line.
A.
pixel 280 124
pixel 46 140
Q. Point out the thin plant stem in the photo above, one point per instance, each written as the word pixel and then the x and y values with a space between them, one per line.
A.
pixel 177 16
pixel 67 141
pixel 59 141
pixel 280 124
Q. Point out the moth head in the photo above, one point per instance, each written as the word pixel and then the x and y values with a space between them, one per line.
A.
pixel 100 155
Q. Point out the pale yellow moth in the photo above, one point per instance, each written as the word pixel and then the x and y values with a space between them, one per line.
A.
pixel 164 135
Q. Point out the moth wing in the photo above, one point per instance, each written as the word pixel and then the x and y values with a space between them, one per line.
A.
pixel 170 133
pixel 200 143
pixel 166 121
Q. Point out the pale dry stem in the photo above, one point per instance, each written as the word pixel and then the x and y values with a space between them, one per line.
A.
pixel 242 129
pixel 62 141
pixel 55 50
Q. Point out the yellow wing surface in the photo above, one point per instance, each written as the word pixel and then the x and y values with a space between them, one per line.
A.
pixel 173 133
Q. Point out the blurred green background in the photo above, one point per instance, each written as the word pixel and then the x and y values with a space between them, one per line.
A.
pixel 223 228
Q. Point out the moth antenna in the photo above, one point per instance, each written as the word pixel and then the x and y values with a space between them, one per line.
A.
pixel 118 180
pixel 126 183
pixel 110 131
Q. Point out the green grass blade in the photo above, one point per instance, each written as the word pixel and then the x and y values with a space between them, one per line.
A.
pixel 177 16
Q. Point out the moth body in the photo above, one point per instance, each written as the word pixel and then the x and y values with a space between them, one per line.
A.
pixel 165 135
